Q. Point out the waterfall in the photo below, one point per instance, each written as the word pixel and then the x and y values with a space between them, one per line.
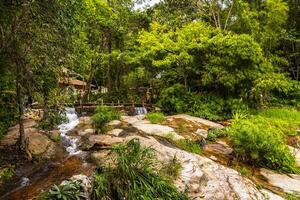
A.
pixel 73 121
pixel 140 111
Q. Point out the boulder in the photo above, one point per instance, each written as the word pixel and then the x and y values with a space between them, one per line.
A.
pixel 289 183
pixel 39 144
pixel 204 178
pixel 202 133
pixel 115 123
pixel 13 134
pixel 85 183
pixel 84 132
pixel 156 129
pixel 204 122
pixel 115 132
pixel 102 141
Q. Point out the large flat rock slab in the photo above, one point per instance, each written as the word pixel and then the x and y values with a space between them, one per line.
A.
pixel 207 123
pixel 156 129
pixel 103 140
pixel 288 183
pixel 13 134
pixel 204 178
pixel 146 127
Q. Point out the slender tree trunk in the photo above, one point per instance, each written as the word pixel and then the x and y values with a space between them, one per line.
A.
pixel 22 139
pixel 88 84
pixel 109 50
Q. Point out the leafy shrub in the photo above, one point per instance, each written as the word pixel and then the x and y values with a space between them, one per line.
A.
pixel 69 190
pixel 283 119
pixel 261 145
pixel 156 117
pixel 177 99
pixel 52 119
pixel 292 197
pixel 7 173
pixel 189 145
pixel 132 176
pixel 103 115
pixel 215 133
pixel 172 168
pixel 174 99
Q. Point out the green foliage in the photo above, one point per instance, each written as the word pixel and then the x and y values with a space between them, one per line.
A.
pixel 260 144
pixel 155 117
pixel 244 171
pixel 132 176
pixel 292 197
pixel 285 120
pixel 171 169
pixel 177 99
pixel 103 115
pixel 52 119
pixel 189 145
pixel 182 127
pixel 7 173
pixel 174 99
pixel 55 137
pixel 215 133
pixel 69 190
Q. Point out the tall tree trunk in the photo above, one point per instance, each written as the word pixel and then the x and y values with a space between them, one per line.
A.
pixel 22 139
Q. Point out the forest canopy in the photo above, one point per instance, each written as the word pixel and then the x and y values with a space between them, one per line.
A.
pixel 224 53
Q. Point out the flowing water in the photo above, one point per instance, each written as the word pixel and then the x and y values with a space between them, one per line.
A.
pixel 73 121
pixel 34 178
pixel 140 111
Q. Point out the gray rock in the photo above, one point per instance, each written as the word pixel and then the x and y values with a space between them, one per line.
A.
pixel 198 120
pixel 202 133
pixel 289 183
pixel 205 178
pixel 115 132
pixel 115 123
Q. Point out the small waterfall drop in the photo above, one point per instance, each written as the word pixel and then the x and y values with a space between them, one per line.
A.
pixel 73 121
pixel 140 111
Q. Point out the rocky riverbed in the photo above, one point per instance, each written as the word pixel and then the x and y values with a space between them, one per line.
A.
pixel 211 174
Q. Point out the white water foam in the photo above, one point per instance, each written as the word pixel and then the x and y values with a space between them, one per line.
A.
pixel 140 111
pixel 73 121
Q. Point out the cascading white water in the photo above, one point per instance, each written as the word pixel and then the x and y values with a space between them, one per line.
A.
pixel 73 121
pixel 140 111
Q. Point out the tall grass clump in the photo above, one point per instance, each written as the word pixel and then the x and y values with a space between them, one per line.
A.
pixel 259 144
pixel 189 145
pixel 132 176
pixel 155 117
pixel 285 120
pixel 103 115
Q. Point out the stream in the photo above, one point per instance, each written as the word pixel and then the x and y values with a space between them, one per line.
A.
pixel 34 178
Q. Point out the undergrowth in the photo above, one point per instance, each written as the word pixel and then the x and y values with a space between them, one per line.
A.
pixel 189 145
pixel 155 117
pixel 103 115
pixel 132 176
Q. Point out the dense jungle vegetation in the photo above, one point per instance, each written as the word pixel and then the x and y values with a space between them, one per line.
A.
pixel 236 60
